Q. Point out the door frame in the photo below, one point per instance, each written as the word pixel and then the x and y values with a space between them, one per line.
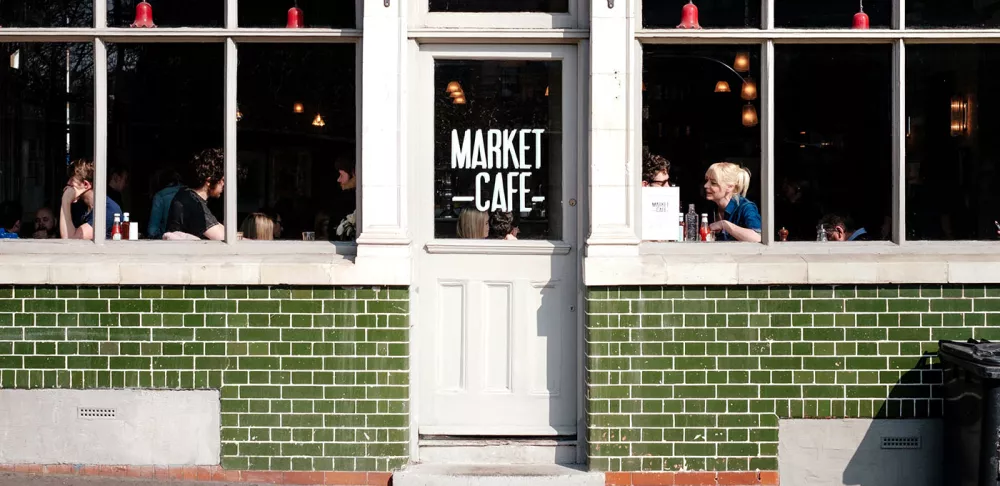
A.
pixel 420 74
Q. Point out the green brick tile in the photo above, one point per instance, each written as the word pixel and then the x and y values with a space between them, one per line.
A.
pixel 866 305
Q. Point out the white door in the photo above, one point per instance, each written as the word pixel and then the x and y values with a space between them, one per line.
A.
pixel 494 133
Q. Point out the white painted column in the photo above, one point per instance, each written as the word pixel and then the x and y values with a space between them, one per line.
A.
pixel 382 171
pixel 613 163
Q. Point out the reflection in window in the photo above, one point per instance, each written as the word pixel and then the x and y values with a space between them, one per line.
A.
pixel 46 113
pixel 667 14
pixel 833 145
pixel 552 6
pixel 498 149
pixel 951 151
pixel 169 13
pixel 958 13
pixel 48 13
pixel 165 107
pixel 700 107
pixel 830 14
pixel 313 13
pixel 297 140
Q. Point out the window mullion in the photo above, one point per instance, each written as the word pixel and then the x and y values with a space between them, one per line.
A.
pixel 898 14
pixel 767 14
pixel 232 16
pixel 100 139
pixel 230 149
pixel 899 142
pixel 767 142
pixel 100 14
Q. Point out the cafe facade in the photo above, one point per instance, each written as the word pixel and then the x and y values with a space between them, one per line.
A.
pixel 584 341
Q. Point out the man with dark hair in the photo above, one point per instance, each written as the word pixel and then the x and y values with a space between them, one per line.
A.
pixel 841 228
pixel 80 188
pixel 655 170
pixel 117 182
pixel 10 220
pixel 189 212
pixel 345 203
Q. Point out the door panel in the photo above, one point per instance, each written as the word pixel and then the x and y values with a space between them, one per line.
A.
pixel 496 323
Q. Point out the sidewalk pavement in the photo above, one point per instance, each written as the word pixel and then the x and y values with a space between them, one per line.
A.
pixel 10 479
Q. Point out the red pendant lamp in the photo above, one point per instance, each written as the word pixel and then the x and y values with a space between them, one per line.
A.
pixel 689 16
pixel 861 21
pixel 143 15
pixel 295 17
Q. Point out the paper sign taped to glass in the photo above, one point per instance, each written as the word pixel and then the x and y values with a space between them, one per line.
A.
pixel 660 209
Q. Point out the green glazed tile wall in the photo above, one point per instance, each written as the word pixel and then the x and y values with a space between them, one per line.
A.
pixel 696 378
pixel 310 378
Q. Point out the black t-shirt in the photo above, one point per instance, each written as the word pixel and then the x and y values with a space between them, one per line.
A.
pixel 189 213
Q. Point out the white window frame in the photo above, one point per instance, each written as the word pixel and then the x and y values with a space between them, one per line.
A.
pixel 615 239
pixel 63 260
pixel 423 19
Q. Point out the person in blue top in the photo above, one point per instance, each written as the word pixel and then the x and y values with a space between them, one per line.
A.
pixel 10 220
pixel 737 218
pixel 80 188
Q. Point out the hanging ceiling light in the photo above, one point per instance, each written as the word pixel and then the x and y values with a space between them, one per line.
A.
pixel 722 87
pixel 459 100
pixel 749 115
pixel 959 116
pixel 295 17
pixel 239 115
pixel 298 108
pixel 143 15
pixel 318 121
pixel 749 91
pixel 453 87
pixel 742 63
pixel 546 91
pixel 689 16
pixel 861 21
pixel 15 60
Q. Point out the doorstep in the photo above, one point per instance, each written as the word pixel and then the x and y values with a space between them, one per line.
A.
pixel 496 475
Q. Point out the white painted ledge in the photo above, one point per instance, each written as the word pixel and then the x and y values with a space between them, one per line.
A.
pixel 867 264
pixel 171 269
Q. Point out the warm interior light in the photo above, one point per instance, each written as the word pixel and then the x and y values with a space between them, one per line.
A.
pixel 298 108
pixel 959 116
pixel 459 100
pixel 453 87
pixel 458 93
pixel 239 115
pixel 546 91
pixel 749 91
pixel 318 121
pixel 749 115
pixel 644 86
pixel 722 87
pixel 742 63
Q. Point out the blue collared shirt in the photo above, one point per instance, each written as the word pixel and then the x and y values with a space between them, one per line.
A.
pixel 4 235
pixel 743 213
pixel 858 233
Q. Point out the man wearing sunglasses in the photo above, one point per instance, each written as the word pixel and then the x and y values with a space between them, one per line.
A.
pixel 655 170
pixel 80 188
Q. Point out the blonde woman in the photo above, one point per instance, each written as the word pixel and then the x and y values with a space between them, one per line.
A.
pixel 473 224
pixel 258 226
pixel 736 217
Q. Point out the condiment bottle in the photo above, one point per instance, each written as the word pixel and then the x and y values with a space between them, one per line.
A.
pixel 126 228
pixel 116 228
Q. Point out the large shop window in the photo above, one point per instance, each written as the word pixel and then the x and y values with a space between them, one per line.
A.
pixel 166 13
pixel 831 14
pixel 952 154
pixel 46 123
pixel 833 149
pixel 701 134
pixel 165 136
pixel 338 14
pixel 548 6
pixel 297 142
pixel 732 14
pixel 48 13
pixel 983 14
pixel 497 149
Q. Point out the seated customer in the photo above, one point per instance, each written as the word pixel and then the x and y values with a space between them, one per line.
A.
pixel 655 170
pixel 737 217
pixel 189 212
pixel 842 228
pixel 258 226
pixel 10 220
pixel 473 224
pixel 170 184
pixel 45 225
pixel 80 189
pixel 502 226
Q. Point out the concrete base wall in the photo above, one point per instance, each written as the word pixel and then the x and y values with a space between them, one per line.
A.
pixel 125 427
pixel 849 452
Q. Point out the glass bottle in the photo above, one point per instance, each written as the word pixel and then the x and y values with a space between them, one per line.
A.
pixel 126 227
pixel 821 233
pixel 116 228
pixel 691 224
pixel 703 231
pixel 680 226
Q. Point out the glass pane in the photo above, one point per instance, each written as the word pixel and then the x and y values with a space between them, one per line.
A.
pixel 49 13
pixel 339 14
pixel 552 6
pixel 297 141
pixel 165 108
pixel 717 14
pixel 833 144
pixel 498 149
pixel 700 113
pixel 167 13
pixel 46 122
pixel 951 156
pixel 831 14
pixel 959 13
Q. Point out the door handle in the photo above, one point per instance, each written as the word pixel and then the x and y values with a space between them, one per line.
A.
pixel 572 203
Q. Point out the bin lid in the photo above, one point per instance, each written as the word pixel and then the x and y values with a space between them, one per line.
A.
pixel 980 356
